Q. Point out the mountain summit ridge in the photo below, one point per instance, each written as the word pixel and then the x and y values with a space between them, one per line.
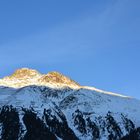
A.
pixel 26 77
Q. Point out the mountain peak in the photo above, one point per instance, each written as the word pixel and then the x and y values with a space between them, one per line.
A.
pixel 24 73
pixel 26 77
pixel 56 77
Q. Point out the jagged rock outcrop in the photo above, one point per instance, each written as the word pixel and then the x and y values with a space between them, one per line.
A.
pixel 52 124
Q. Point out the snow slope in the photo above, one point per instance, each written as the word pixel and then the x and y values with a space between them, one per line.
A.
pixel 85 112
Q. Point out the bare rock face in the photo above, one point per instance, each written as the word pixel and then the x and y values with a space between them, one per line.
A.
pixel 24 73
pixel 56 77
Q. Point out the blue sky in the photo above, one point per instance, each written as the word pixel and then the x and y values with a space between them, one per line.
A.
pixel 95 42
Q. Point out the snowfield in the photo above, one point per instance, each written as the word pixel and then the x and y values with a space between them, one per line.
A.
pixel 68 110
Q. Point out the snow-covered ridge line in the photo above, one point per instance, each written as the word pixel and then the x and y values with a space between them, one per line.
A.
pixel 28 77
pixel 105 92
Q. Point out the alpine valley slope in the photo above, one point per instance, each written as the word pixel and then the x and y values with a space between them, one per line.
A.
pixel 51 106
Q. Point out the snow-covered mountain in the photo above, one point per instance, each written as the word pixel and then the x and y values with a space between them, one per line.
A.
pixel 51 106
